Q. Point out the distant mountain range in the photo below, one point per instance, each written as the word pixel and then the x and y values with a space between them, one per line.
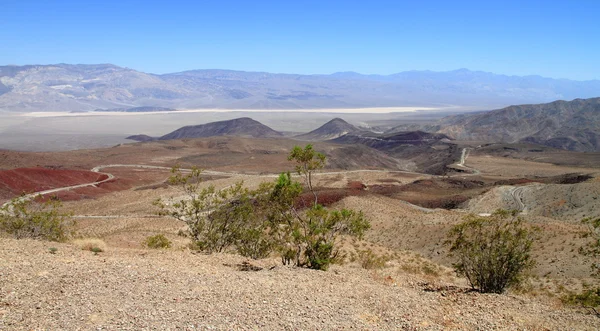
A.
pixel 65 87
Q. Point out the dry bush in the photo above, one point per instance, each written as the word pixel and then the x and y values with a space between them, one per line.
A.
pixel 370 260
pixel 91 244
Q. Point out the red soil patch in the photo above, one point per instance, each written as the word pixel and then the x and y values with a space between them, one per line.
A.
pixel 327 197
pixel 91 192
pixel 28 180
pixel 14 182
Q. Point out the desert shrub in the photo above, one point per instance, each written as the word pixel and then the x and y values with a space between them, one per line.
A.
pixel 157 241
pixel 221 220
pixel 94 245
pixel 592 248
pixel 430 269
pixel 587 298
pixel 257 222
pixel 493 252
pixel 26 218
pixel 369 260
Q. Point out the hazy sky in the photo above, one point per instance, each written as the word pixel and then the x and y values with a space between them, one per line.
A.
pixel 558 39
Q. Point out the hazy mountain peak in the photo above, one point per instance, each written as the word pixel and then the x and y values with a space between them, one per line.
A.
pixel 85 87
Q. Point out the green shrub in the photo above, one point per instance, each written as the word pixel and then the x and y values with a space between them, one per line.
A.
pixel 157 241
pixel 257 222
pixel 26 218
pixel 493 252
pixel 370 260
pixel 587 298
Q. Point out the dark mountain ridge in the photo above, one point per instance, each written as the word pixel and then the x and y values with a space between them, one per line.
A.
pixel 242 127
pixel 572 125
pixel 429 152
pixel 335 128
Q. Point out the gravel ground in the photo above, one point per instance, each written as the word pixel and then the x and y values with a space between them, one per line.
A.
pixel 127 289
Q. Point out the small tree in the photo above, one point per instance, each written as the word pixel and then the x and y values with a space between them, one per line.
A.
pixel 29 218
pixel 308 161
pixel 314 232
pixel 257 222
pixel 493 252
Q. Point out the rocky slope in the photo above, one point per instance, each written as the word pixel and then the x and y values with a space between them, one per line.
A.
pixel 429 152
pixel 572 125
pixel 566 202
pixel 335 128
pixel 140 289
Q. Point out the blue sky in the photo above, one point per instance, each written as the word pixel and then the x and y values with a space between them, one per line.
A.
pixel 557 39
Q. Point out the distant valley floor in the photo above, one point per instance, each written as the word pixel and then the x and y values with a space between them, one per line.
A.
pixel 64 131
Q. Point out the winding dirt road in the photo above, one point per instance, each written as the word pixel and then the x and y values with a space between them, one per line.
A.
pixel 66 188
pixel 517 194
pixel 463 158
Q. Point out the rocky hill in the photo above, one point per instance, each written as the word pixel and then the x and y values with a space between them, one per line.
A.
pixel 335 128
pixel 429 152
pixel 66 87
pixel 572 125
pixel 242 127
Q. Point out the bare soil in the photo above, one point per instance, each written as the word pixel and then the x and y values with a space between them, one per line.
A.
pixel 140 289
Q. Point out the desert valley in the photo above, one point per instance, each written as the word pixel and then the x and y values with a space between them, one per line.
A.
pixel 414 175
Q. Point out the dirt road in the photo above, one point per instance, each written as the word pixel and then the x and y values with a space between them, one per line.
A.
pixel 517 194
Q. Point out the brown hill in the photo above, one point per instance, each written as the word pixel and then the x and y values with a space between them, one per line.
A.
pixel 428 152
pixel 572 125
pixel 335 128
pixel 242 127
